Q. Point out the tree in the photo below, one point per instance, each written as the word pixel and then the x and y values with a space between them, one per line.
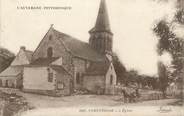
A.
pixel 119 68
pixel 179 17
pixel 169 42
pixel 6 57
pixel 163 78
pixel 133 75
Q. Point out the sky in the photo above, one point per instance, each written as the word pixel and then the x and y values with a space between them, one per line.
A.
pixel 131 22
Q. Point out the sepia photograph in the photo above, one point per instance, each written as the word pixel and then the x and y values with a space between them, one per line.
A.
pixel 91 57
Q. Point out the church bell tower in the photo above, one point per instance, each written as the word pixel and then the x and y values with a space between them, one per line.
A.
pixel 101 37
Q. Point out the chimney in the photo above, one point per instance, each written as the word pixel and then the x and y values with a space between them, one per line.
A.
pixel 23 48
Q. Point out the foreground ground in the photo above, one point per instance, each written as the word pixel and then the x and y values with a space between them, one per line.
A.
pixel 45 104
pixel 88 100
pixel 40 101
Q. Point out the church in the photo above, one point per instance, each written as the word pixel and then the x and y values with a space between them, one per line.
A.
pixel 62 64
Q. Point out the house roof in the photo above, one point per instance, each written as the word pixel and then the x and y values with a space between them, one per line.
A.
pixel 12 71
pixel 22 60
pixel 98 68
pixel 78 48
pixel 43 61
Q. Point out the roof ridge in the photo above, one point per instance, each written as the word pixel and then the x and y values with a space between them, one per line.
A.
pixel 74 46
pixel 75 39
pixel 42 39
pixel 69 36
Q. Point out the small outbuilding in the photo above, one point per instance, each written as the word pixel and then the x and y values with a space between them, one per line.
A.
pixel 45 78
pixel 11 77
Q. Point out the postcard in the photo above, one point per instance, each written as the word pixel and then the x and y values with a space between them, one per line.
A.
pixel 91 57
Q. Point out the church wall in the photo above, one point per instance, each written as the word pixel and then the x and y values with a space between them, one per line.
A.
pixel 101 41
pixel 51 40
pixel 94 83
pixel 79 67
pixel 64 80
pixel 80 64
pixel 110 83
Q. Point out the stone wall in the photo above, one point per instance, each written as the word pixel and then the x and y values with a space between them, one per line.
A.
pixel 40 92
pixel 94 83
pixel 64 79
pixel 79 67
pixel 52 41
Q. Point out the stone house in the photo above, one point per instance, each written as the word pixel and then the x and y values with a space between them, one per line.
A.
pixel 12 76
pixel 45 78
pixel 61 63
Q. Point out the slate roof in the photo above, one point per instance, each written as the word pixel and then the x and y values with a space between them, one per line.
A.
pixel 44 61
pixel 78 48
pixel 12 71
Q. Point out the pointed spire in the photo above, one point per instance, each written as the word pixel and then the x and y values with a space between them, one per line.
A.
pixel 102 22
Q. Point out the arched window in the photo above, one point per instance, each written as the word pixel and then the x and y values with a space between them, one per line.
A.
pixel 111 79
pixel 49 52
pixel 50 37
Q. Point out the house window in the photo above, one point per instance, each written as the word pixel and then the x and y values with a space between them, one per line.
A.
pixel 49 52
pixel 50 76
pixel 78 78
pixel 60 85
pixel 13 85
pixel 81 79
pixel 6 83
pixel 111 79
